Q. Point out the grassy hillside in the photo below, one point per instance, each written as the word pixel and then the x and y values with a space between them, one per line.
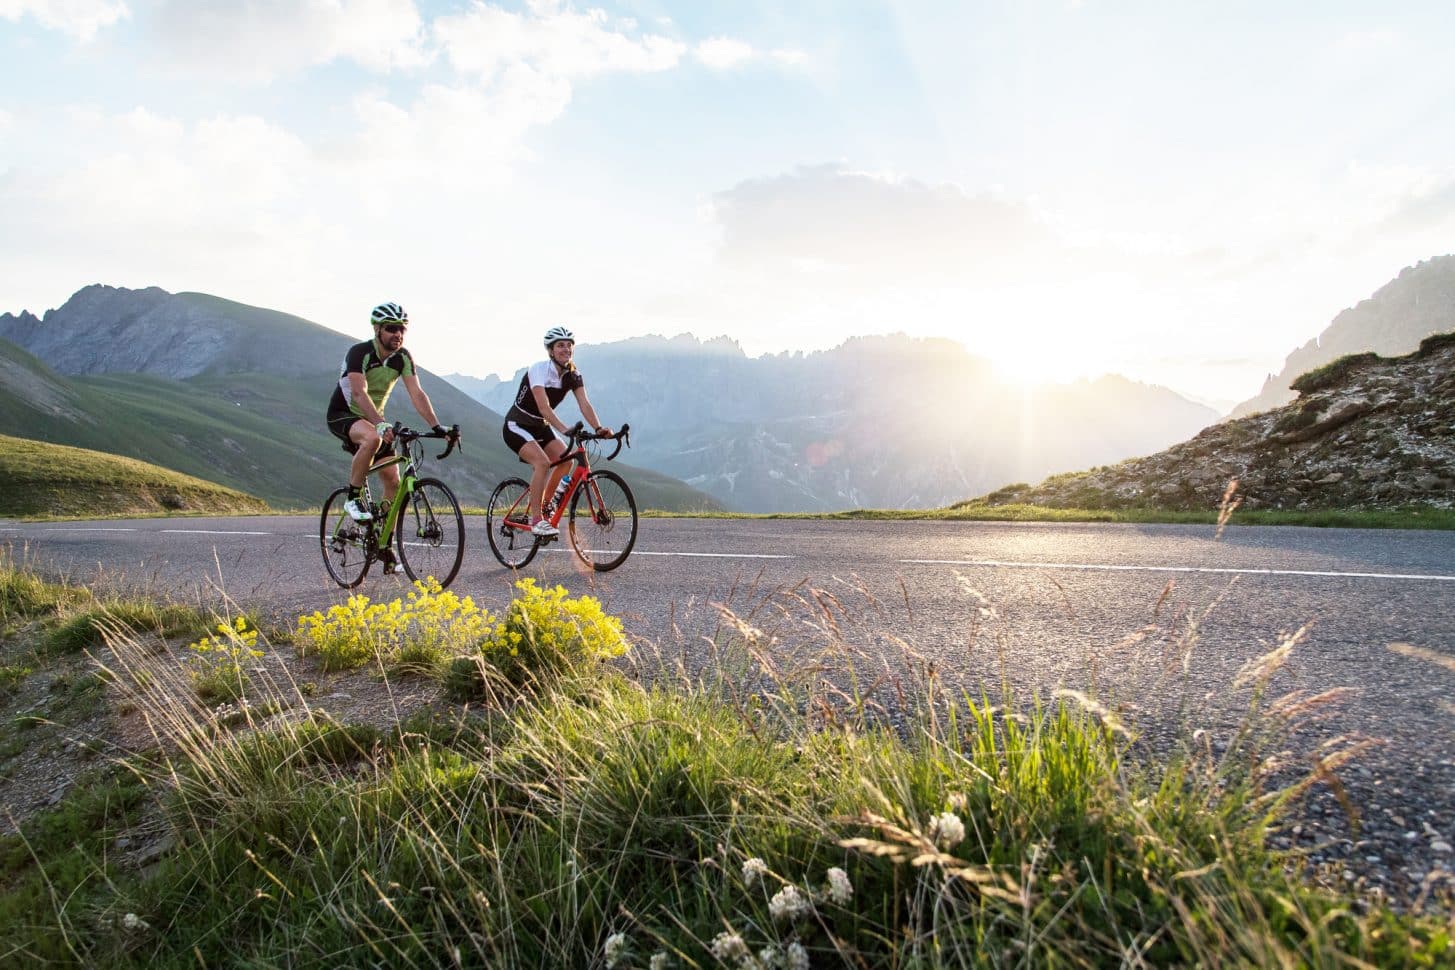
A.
pixel 42 479
pixel 259 433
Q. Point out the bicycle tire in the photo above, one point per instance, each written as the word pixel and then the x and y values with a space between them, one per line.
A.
pixel 515 548
pixel 430 533
pixel 343 542
pixel 603 504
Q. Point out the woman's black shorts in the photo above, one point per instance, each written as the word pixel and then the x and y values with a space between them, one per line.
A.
pixel 516 436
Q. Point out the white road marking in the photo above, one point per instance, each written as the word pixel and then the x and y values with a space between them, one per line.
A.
pixel 85 528
pixel 714 555
pixel 698 555
pixel 217 532
pixel 1105 567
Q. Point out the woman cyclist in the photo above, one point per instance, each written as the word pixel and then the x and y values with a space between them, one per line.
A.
pixel 529 421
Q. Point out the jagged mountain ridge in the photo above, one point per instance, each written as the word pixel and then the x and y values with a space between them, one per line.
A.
pixel 1416 304
pixel 1366 432
pixel 227 392
pixel 883 421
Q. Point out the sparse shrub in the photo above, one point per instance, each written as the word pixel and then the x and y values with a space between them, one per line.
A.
pixel 1331 373
pixel 91 627
pixel 414 635
pixel 544 635
pixel 1435 342
pixel 11 677
pixel 216 661
pixel 25 596
pixel 1296 419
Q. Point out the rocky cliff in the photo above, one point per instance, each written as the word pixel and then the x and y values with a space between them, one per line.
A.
pixel 1365 432
pixel 1412 306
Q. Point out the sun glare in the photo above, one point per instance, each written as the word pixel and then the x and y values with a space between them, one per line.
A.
pixel 1037 368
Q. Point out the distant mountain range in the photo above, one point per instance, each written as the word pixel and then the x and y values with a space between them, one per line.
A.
pixel 878 422
pixel 1416 304
pixel 229 393
pixel 235 394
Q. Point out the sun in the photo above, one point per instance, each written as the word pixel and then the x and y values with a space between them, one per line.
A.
pixel 1039 367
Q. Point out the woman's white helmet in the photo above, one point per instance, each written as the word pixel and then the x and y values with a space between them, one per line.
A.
pixel 559 333
pixel 388 313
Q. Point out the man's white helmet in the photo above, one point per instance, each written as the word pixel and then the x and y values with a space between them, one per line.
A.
pixel 559 333
pixel 388 313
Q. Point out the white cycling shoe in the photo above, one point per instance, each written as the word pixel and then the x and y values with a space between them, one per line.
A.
pixel 356 510
pixel 543 528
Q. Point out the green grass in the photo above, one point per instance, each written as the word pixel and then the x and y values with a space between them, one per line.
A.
pixel 979 511
pixel 39 479
pixel 751 806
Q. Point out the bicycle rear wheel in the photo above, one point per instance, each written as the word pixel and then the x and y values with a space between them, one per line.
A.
pixel 345 543
pixel 603 522
pixel 512 542
pixel 430 533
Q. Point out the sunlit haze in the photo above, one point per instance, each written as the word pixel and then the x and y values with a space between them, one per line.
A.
pixel 1180 193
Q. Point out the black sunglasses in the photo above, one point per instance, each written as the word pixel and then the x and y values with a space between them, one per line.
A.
pixel 394 328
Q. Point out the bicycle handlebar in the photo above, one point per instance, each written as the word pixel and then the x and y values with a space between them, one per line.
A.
pixel 577 434
pixel 403 436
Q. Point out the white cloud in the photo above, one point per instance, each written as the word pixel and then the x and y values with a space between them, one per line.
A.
pixel 79 18
pixel 259 40
pixel 487 41
pixel 880 229
pixel 723 52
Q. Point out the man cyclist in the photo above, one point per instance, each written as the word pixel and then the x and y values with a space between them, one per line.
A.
pixel 356 410
pixel 528 423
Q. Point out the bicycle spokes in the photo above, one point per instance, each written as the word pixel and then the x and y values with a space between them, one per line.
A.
pixel 431 530
pixel 603 524
pixel 508 524
pixel 347 546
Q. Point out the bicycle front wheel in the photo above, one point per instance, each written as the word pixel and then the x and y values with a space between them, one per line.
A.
pixel 603 522
pixel 430 533
pixel 345 543
pixel 507 524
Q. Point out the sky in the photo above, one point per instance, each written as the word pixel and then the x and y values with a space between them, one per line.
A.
pixel 1181 193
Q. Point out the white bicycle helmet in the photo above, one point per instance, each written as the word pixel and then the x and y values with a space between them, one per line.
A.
pixel 559 333
pixel 388 313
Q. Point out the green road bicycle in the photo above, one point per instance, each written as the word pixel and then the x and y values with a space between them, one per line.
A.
pixel 423 521
pixel 603 513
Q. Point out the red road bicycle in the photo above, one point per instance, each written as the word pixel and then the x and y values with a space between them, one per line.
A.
pixel 602 520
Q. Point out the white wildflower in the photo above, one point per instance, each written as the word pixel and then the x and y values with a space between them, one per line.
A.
pixel 659 961
pixel 797 956
pixel 134 922
pixel 729 946
pixel 770 957
pixel 754 870
pixel 840 889
pixel 947 830
pixel 788 904
pixel 615 949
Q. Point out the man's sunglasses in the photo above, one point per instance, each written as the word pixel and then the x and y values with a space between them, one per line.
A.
pixel 394 328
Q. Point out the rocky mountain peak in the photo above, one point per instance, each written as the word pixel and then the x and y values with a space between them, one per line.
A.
pixel 1364 432
pixel 1417 303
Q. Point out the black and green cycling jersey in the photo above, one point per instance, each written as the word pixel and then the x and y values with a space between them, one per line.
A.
pixel 380 375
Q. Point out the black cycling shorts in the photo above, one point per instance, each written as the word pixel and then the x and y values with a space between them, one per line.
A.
pixel 340 424
pixel 516 436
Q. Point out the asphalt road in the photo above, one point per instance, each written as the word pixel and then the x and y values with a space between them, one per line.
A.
pixel 1159 620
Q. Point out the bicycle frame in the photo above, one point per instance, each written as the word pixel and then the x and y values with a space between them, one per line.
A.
pixel 349 546
pixel 406 487
pixel 602 529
